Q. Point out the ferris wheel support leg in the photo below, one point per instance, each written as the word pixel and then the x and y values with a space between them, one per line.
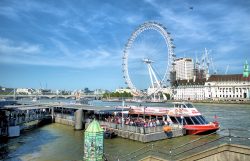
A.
pixel 157 81
pixel 150 75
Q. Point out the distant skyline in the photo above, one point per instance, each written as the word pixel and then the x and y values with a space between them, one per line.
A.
pixel 79 43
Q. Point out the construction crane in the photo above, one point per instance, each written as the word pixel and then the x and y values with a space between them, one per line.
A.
pixel 206 62
pixel 226 69
pixel 213 67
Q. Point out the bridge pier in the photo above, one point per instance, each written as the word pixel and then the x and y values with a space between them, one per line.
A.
pixel 52 114
pixel 79 119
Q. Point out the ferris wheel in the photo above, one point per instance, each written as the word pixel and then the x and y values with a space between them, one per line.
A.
pixel 156 83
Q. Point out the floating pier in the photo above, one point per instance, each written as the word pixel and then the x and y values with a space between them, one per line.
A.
pixel 78 116
pixel 143 134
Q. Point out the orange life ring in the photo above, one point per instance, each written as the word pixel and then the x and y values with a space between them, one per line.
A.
pixel 167 129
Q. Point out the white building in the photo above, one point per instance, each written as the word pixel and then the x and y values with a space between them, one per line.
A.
pixel 184 68
pixel 24 91
pixel 189 90
pixel 122 90
pixel 217 87
pixel 228 87
pixel 99 91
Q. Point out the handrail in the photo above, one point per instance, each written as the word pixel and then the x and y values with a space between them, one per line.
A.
pixel 180 146
pixel 134 151
pixel 152 147
pixel 138 155
pixel 197 146
pixel 206 143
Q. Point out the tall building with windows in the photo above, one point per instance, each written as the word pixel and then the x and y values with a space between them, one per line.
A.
pixel 228 87
pixel 246 71
pixel 189 89
pixel 184 69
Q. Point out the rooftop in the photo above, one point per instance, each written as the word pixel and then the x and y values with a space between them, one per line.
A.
pixel 228 77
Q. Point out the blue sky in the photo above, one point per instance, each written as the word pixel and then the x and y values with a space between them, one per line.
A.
pixel 78 43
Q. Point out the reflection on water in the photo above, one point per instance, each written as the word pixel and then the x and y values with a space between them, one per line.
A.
pixel 60 142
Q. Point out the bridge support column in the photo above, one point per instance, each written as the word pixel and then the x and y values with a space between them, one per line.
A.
pixel 52 115
pixel 78 119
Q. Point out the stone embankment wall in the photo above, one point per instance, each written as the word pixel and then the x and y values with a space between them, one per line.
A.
pixel 64 121
pixel 225 152
pixel 149 137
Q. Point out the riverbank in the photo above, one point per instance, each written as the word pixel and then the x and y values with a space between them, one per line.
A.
pixel 193 101
pixel 222 102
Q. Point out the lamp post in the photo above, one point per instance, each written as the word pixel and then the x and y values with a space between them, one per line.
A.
pixel 144 112
pixel 122 111
pixel 144 119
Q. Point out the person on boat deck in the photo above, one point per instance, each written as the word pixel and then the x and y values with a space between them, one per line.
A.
pixel 158 122
pixel 166 122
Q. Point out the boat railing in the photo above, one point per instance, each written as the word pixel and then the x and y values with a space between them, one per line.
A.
pixel 138 129
pixel 228 136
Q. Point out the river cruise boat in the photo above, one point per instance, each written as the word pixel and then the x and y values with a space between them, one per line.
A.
pixel 184 114
pixel 192 120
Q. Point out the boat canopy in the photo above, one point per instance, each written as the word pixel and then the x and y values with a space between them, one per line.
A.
pixel 149 110
pixel 111 111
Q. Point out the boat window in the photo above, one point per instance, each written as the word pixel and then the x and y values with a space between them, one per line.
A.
pixel 153 117
pixel 141 115
pixel 179 119
pixel 200 120
pixel 189 121
pixel 134 115
pixel 195 120
pixel 176 105
pixel 159 118
pixel 173 120
pixel 189 105
pixel 184 121
pixel 203 118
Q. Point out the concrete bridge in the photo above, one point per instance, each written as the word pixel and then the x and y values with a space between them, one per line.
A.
pixel 52 96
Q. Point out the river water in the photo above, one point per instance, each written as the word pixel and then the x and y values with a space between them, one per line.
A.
pixel 57 142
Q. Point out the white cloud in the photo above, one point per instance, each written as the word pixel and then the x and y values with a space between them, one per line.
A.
pixel 8 47
pixel 26 53
pixel 133 19
pixel 9 12
pixel 75 25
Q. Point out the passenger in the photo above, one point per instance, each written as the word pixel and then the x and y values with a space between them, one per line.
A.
pixel 166 122
pixel 131 123
pixel 150 124
pixel 157 123
pixel 154 124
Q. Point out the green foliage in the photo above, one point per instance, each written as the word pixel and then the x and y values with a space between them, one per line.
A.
pixel 117 95
pixel 167 95
pixel 5 93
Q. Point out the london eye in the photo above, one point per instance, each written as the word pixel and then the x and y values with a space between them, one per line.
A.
pixel 155 60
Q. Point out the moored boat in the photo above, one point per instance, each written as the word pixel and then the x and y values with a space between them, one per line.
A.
pixel 183 114
pixel 108 133
pixel 191 119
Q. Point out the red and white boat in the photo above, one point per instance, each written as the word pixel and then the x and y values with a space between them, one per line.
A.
pixel 184 114
pixel 192 120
